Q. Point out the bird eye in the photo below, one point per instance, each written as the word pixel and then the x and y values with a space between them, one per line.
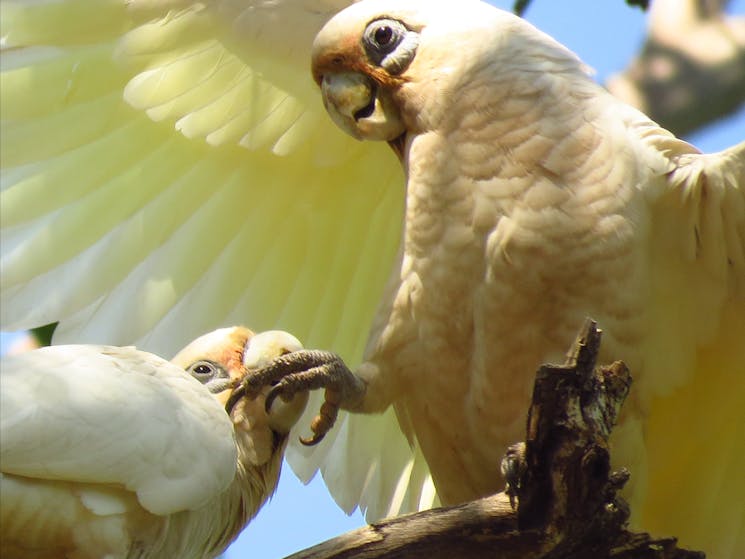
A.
pixel 383 36
pixel 203 371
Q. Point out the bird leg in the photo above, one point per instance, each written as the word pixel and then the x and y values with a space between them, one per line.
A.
pixel 303 370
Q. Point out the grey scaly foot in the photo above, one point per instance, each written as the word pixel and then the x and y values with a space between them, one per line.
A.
pixel 305 370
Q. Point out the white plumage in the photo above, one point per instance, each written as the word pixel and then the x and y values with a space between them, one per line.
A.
pixel 534 198
pixel 181 152
pixel 111 451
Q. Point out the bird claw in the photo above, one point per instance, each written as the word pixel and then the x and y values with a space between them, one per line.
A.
pixel 513 468
pixel 324 421
pixel 300 371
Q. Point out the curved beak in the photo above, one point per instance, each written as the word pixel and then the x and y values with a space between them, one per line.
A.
pixel 259 352
pixel 360 107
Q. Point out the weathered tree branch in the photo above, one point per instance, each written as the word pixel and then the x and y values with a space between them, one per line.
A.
pixel 691 69
pixel 568 503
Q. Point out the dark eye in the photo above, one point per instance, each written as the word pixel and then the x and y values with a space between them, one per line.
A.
pixel 383 35
pixel 203 371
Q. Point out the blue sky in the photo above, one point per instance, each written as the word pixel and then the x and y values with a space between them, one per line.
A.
pixel 605 35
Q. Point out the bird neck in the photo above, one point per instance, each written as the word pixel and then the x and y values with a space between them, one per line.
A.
pixel 254 484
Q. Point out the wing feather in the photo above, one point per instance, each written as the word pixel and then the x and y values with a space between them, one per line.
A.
pixel 119 416
pixel 713 186
pixel 166 160
pixel 692 353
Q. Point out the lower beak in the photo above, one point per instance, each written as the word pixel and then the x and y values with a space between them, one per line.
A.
pixel 360 107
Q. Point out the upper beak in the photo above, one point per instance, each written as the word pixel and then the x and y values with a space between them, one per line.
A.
pixel 347 98
pixel 360 107
pixel 266 346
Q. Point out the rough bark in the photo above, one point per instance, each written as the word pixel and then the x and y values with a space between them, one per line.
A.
pixel 560 478
pixel 691 69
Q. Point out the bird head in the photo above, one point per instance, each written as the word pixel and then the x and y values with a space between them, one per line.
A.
pixel 221 359
pixel 380 62
pixel 391 69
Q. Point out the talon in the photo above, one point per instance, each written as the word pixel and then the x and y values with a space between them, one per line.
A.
pixel 237 394
pixel 332 397
pixel 271 396
pixel 324 421
pixel 312 441
pixel 243 390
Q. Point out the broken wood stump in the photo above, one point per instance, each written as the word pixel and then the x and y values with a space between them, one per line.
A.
pixel 562 498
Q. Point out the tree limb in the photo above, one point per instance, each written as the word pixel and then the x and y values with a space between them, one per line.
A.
pixel 568 503
pixel 691 69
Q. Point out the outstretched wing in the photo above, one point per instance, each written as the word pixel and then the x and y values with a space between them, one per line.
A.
pixel 118 416
pixel 131 145
pixel 167 168
pixel 694 354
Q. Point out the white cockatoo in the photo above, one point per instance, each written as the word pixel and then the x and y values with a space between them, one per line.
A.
pixel 534 198
pixel 167 167
pixel 114 452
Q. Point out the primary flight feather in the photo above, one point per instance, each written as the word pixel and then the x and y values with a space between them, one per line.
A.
pixel 114 452
pixel 168 168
